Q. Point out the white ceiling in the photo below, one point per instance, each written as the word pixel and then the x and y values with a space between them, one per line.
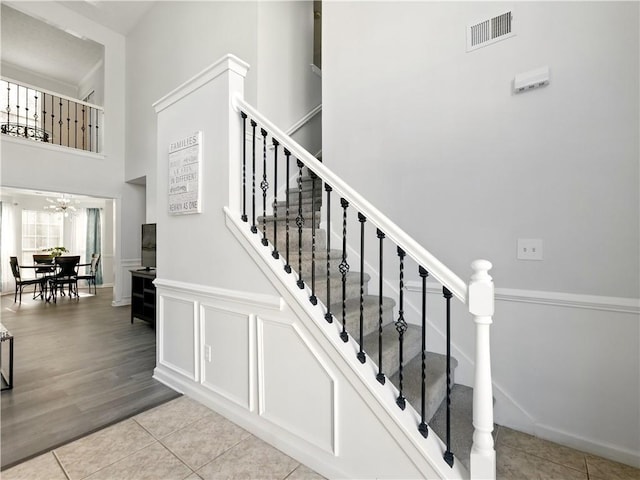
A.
pixel 117 15
pixel 33 45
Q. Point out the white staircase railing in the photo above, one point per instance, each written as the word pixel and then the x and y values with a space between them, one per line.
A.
pixel 477 295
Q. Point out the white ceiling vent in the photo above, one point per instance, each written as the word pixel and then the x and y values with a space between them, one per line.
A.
pixel 492 30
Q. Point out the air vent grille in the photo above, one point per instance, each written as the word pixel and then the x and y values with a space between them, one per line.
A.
pixel 486 32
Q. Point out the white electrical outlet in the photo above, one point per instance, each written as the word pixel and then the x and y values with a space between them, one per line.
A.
pixel 207 353
pixel 529 249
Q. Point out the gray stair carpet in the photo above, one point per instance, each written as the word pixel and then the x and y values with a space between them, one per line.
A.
pixel 436 384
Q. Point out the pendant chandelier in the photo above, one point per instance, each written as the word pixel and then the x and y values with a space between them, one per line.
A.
pixel 62 204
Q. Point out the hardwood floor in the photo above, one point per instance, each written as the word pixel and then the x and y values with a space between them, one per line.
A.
pixel 79 365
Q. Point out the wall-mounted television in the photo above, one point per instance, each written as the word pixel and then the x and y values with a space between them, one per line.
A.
pixel 148 245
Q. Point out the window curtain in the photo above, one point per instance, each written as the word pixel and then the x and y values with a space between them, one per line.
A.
pixel 94 239
pixel 7 245
pixel 77 237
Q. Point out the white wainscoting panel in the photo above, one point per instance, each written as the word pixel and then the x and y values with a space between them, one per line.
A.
pixel 227 354
pixel 123 294
pixel 178 335
pixel 296 389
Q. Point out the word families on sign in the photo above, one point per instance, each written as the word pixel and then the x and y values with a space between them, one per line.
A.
pixel 184 174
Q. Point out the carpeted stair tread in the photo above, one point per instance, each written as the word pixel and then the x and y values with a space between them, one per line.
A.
pixel 282 218
pixel 306 207
pixel 307 238
pixel 390 346
pixel 371 313
pixel 307 192
pixel 461 422
pixel 436 373
pixel 352 289
pixel 335 257
pixel 307 186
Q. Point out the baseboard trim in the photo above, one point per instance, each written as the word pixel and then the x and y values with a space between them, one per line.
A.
pixel 258 426
pixel 556 299
pixel 613 452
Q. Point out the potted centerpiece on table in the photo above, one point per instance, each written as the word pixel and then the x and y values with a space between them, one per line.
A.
pixel 56 251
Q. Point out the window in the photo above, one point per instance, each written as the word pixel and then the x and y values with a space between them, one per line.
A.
pixel 40 230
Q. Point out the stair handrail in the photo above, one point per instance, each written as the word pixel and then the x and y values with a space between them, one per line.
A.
pixel 412 248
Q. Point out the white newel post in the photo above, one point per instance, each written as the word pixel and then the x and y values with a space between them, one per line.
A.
pixel 481 306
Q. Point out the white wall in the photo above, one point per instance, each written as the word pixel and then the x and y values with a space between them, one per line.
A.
pixel 30 78
pixel 93 82
pixel 287 87
pixel 173 42
pixel 466 166
pixel 176 40
pixel 435 138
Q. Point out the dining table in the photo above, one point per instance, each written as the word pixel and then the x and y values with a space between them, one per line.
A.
pixel 48 270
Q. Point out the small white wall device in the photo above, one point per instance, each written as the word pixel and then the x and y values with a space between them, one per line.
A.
pixel 531 79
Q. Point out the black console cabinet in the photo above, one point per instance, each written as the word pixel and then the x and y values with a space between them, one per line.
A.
pixel 143 296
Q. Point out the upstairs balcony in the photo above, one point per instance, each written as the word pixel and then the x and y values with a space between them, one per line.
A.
pixel 39 115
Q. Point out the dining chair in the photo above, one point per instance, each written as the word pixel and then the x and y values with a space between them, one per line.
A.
pixel 66 273
pixel 90 276
pixel 44 267
pixel 20 282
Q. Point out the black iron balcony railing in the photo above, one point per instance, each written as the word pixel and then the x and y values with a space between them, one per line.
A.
pixel 43 116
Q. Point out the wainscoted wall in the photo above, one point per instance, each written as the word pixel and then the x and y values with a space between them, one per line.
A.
pixel 253 359
pixel 123 295
pixel 248 354
pixel 233 335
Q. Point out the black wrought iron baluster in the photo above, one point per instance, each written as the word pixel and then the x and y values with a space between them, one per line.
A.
pixel 97 130
pixel 300 224
pixel 380 376
pixel 60 123
pixel 275 253
pixel 35 115
pixel 287 267
pixel 361 356
pixel 344 269
pixel 26 114
pixel 18 106
pixel 68 123
pixel 328 316
pixel 264 186
pixel 401 327
pixel 75 127
pixel 44 117
pixel 8 101
pixel 448 455
pixel 422 428
pixel 254 229
pixel 83 129
pixel 244 166
pixel 52 119
pixel 313 299
pixel 90 126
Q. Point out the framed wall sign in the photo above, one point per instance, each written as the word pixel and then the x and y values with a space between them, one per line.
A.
pixel 185 155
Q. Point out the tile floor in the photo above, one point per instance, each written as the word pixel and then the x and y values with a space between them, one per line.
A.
pixel 183 439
